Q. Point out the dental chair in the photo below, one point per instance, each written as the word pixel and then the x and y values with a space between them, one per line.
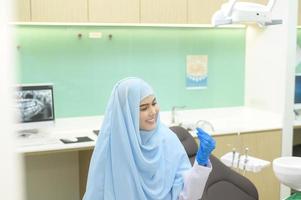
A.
pixel 223 182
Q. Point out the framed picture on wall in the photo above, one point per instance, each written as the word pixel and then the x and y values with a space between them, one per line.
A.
pixel 196 71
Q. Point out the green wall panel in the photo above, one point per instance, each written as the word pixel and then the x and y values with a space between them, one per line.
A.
pixel 84 70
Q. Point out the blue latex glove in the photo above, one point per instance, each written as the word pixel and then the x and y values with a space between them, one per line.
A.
pixel 207 145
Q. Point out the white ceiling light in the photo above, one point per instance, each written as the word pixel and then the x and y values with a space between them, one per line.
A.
pixel 234 12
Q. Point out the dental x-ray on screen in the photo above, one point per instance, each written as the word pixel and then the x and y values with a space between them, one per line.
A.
pixel 35 103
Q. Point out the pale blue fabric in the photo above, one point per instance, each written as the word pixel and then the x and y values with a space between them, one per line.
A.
pixel 130 164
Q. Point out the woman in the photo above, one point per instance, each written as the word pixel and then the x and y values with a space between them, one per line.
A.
pixel 136 157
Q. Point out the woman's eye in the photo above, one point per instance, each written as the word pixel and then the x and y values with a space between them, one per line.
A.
pixel 143 108
pixel 154 103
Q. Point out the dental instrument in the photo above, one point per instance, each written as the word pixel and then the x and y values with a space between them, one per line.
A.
pixel 233 156
pixel 245 160
pixel 238 161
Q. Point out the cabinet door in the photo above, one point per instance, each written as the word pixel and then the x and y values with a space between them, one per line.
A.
pixel 267 146
pixel 201 11
pixel 299 14
pixel 164 11
pixel 225 144
pixel 114 11
pixel 264 2
pixel 84 158
pixel 59 10
pixel 22 10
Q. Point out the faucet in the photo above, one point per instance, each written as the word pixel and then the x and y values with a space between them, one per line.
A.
pixel 173 113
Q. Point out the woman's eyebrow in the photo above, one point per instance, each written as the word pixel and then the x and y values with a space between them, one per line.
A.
pixel 145 104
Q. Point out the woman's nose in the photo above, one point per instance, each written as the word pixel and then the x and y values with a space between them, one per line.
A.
pixel 152 110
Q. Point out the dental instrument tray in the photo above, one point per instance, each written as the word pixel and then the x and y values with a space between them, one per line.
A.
pixel 246 163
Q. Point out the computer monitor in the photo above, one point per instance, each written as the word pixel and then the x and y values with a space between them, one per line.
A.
pixel 35 107
pixel 297 92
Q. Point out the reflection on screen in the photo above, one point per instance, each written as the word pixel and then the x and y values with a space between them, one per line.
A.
pixel 35 103
pixel 297 89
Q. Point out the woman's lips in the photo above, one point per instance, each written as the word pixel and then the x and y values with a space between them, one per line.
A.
pixel 151 121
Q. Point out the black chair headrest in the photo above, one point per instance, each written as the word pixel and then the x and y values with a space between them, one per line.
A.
pixel 186 139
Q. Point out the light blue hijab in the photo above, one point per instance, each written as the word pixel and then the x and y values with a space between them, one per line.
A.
pixel 131 164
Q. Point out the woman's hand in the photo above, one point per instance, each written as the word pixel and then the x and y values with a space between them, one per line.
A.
pixel 207 145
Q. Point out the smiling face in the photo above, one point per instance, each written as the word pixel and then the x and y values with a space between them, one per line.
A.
pixel 149 111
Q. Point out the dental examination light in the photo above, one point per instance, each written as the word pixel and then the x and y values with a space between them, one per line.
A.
pixel 234 12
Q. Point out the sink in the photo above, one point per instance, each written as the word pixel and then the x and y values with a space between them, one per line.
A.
pixel 288 171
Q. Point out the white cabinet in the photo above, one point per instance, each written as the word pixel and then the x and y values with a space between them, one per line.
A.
pixel 120 11
pixel 299 13
pixel 22 10
pixel 163 11
pixel 114 11
pixel 59 10
pixel 201 11
pixel 52 176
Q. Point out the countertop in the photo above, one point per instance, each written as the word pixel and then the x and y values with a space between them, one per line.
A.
pixel 224 120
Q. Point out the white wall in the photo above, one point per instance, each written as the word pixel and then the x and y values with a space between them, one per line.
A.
pixel 270 69
pixel 10 173
pixel 269 55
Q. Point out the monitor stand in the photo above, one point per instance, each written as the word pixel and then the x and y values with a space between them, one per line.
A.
pixel 34 128
pixel 27 132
